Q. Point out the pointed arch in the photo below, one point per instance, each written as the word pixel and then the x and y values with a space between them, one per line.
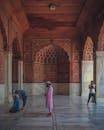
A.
pixel 88 49
pixel 51 63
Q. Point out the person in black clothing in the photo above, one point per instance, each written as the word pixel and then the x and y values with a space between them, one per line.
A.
pixel 22 94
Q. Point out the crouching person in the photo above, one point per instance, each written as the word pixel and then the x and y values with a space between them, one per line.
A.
pixel 22 94
pixel 16 104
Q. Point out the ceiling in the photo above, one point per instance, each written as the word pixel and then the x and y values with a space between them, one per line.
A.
pixel 65 14
pixel 67 19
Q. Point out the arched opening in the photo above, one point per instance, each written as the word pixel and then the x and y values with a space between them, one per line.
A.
pixel 52 63
pixel 87 66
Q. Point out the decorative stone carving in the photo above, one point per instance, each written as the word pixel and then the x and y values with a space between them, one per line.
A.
pixel 88 49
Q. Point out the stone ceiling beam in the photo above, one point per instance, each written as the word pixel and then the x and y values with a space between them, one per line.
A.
pixel 15 11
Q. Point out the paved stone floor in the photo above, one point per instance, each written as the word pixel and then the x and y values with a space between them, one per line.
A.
pixel 70 113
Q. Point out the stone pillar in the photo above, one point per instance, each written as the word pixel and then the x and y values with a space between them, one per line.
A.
pixel 87 76
pixel 100 73
pixel 8 76
pixel 20 75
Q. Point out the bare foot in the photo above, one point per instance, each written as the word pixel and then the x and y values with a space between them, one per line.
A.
pixel 49 114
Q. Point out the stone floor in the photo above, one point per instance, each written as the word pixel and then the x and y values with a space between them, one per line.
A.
pixel 70 113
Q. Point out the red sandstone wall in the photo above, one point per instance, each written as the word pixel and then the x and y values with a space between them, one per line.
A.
pixel 28 68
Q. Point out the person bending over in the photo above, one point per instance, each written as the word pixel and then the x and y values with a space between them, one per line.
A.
pixel 22 94
pixel 16 104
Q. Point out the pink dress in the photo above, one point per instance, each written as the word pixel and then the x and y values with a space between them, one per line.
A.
pixel 49 98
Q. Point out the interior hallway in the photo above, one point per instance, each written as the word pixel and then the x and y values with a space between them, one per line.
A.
pixel 70 113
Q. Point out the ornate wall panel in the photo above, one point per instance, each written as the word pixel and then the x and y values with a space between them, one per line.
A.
pixel 88 49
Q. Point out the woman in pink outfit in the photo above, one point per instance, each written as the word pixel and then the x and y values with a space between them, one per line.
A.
pixel 49 97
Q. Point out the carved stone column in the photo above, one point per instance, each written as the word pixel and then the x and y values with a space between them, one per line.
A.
pixel 87 76
pixel 20 74
pixel 8 76
pixel 100 73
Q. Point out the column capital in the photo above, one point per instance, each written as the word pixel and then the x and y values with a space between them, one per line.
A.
pixel 100 53
pixel 20 61
pixel 8 52
pixel 87 61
